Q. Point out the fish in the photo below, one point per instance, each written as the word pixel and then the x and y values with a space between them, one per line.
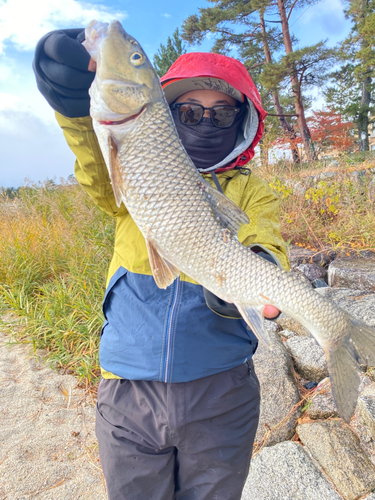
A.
pixel 191 227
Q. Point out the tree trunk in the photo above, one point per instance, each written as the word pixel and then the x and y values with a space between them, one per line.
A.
pixel 301 119
pixel 363 118
pixel 287 128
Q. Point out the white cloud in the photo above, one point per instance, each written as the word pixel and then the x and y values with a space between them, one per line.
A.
pixel 23 22
pixel 166 15
pixel 9 100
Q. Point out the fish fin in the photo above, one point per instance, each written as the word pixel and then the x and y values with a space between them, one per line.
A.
pixel 255 319
pixel 229 214
pixel 342 368
pixel 164 272
pixel 114 170
pixel 362 338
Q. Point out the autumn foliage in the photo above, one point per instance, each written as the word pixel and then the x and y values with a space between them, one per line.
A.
pixel 329 132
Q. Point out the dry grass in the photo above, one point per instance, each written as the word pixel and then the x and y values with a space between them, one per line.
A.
pixel 337 211
pixel 55 247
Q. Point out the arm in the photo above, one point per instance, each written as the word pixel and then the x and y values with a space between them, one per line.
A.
pixel 90 169
pixel 64 74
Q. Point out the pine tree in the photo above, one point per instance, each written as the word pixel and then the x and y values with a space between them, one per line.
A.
pixel 168 54
pixel 243 24
pixel 359 50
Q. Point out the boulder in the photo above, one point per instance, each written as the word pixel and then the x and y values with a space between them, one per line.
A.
pixel 337 449
pixel 309 358
pixel 287 323
pixel 322 403
pixel 359 303
pixel 287 334
pixel 356 274
pixel 365 411
pixel 286 472
pixel 298 255
pixel 312 271
pixel 371 496
pixel 278 389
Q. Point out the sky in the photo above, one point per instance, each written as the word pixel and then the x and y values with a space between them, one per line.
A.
pixel 32 147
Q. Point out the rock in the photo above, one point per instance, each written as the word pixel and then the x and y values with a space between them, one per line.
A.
pixel 365 381
pixel 309 358
pixel 326 175
pixel 287 323
pixel 371 496
pixel 356 274
pixel 362 423
pixel 286 472
pixel 312 271
pixel 278 389
pixel 287 334
pixel 298 255
pixel 365 411
pixel 338 451
pixel 322 404
pixel 359 303
pixel 319 283
pixel 358 175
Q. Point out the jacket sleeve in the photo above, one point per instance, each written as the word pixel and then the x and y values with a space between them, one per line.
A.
pixel 90 168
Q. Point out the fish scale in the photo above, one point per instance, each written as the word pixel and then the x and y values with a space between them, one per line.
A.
pixel 188 226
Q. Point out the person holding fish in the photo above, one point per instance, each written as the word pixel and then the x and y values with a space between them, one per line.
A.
pixel 178 402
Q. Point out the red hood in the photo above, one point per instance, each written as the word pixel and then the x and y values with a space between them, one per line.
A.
pixel 209 64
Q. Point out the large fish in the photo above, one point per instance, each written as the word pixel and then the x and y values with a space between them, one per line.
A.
pixel 188 225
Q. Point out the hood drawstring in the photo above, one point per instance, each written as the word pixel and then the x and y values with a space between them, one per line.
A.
pixel 216 181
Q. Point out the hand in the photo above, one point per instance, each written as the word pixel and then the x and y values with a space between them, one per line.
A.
pixel 65 71
pixel 270 312
pixel 92 65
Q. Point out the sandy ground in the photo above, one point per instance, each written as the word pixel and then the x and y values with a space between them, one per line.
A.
pixel 48 449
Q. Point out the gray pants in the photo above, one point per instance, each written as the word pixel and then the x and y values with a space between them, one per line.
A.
pixel 186 441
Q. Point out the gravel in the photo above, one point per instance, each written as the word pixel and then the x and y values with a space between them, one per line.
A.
pixel 48 448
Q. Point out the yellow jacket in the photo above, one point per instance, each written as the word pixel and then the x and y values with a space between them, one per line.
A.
pixel 249 192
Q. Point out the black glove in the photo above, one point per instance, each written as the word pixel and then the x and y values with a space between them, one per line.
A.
pixel 60 67
pixel 225 308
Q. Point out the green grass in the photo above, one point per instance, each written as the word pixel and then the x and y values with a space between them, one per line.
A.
pixel 55 248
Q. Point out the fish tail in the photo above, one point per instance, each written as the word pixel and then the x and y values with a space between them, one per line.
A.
pixel 358 346
pixel 362 337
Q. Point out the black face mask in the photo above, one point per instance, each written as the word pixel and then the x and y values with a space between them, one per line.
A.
pixel 206 144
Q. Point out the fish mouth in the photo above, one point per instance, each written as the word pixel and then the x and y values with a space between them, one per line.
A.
pixel 124 120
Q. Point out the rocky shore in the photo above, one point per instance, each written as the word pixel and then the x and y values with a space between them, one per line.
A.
pixel 304 451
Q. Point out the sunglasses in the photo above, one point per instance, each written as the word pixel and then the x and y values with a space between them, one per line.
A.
pixel 192 114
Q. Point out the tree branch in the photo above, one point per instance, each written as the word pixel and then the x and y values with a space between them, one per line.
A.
pixel 256 65
pixel 292 7
pixel 271 114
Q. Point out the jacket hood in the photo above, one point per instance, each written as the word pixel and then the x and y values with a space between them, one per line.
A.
pixel 213 68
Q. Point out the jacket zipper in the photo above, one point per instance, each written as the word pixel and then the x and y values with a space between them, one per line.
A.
pixel 170 321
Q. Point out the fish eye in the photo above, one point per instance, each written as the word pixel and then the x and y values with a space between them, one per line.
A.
pixel 136 58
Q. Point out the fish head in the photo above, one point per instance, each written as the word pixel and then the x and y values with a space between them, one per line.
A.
pixel 125 81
